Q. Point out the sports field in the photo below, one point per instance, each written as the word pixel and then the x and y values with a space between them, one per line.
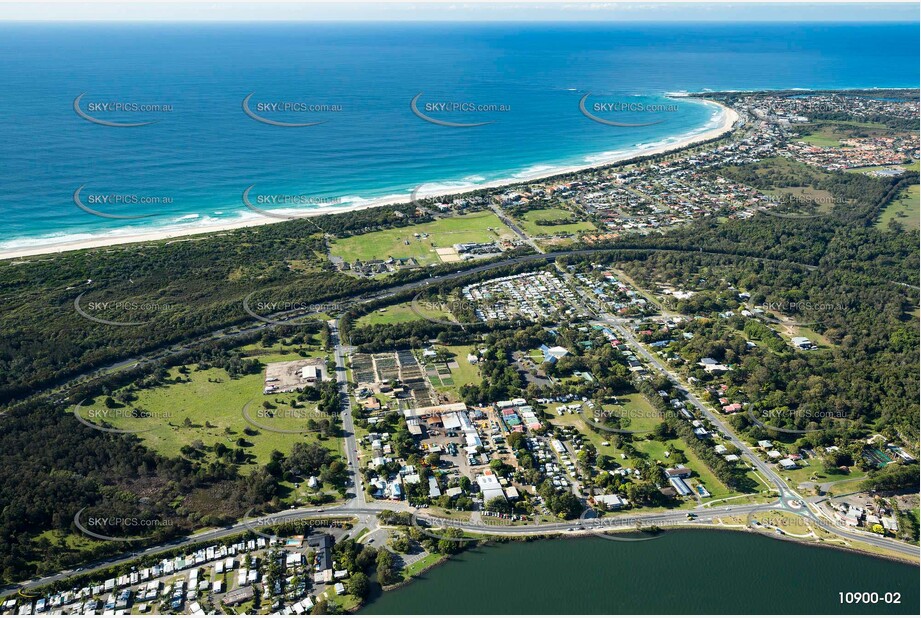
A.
pixel 421 241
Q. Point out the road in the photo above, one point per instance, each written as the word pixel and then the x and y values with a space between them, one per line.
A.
pixel 349 509
pixel 358 506
pixel 701 517
pixel 620 326
pixel 786 493
pixel 788 499
pixel 515 228
pixel 341 352
pixel 283 318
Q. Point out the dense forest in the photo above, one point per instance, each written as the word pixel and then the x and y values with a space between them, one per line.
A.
pixel 51 467
pixel 178 290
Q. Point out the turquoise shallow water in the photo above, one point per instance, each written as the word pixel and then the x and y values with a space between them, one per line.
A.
pixel 681 572
pixel 203 151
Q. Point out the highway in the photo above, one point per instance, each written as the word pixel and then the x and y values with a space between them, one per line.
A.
pixel 357 506
pixel 282 318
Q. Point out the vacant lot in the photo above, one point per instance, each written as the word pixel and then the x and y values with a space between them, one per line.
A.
pixel 831 133
pixel 794 198
pixel 776 167
pixel 906 209
pixel 402 312
pixel 529 222
pixel 634 411
pixel 914 166
pixel 420 241
pixel 207 406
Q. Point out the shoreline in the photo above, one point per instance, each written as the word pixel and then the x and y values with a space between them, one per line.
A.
pixel 526 537
pixel 487 542
pixel 728 119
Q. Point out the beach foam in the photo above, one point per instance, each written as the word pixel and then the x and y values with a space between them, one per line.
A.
pixel 720 122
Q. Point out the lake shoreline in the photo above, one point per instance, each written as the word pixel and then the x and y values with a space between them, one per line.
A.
pixel 494 541
pixel 477 562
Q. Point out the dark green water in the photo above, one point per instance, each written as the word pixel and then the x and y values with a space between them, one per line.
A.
pixel 681 572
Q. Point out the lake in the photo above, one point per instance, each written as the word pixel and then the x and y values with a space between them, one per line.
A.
pixel 680 572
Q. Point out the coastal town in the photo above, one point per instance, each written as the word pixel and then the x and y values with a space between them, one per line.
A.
pixel 584 395
pixel 607 203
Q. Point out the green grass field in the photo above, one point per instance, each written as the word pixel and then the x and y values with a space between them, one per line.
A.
pixel 402 242
pixel 808 175
pixel 813 335
pixel 914 166
pixel 654 449
pixel 422 564
pixel 528 222
pixel 636 412
pixel 905 208
pixel 209 408
pixel 403 312
pixel 791 524
pixel 849 486
pixel 797 196
pixel 279 352
pixel 464 373
pixel 813 470
pixel 822 138
pixel 831 133
pixel 68 542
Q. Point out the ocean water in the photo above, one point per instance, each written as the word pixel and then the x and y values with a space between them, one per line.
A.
pixel 202 151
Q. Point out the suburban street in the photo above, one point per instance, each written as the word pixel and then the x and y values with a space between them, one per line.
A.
pixel 701 517
pixel 515 228
pixel 358 506
pixel 789 500
pixel 340 352
pixel 287 317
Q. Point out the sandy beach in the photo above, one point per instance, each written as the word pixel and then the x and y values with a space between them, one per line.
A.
pixel 50 246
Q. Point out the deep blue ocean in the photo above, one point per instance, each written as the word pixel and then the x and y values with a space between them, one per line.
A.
pixel 202 151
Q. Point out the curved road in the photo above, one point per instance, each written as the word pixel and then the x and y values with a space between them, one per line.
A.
pixel 702 517
pixel 279 319
pixel 789 500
